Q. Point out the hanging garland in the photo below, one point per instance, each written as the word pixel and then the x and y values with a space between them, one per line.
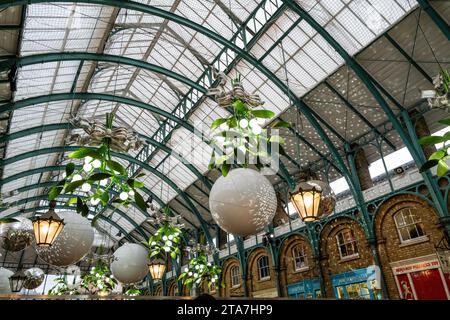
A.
pixel 98 176
pixel 133 291
pixel 62 287
pixel 240 135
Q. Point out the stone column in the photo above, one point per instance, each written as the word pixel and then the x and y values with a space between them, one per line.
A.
pixel 362 167
pixel 422 130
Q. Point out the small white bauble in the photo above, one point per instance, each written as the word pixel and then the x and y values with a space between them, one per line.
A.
pixel 72 244
pixel 4 280
pixel 130 263
pixel 35 277
pixel 243 203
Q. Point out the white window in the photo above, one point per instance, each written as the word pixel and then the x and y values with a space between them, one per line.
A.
pixel 347 244
pixel 299 255
pixel 409 225
pixel 235 276
pixel 263 268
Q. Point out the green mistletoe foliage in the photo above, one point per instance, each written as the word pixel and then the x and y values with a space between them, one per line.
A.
pixel 242 137
pixel 199 270
pixel 133 291
pixel 166 241
pixel 439 157
pixel 62 288
pixel 96 179
pixel 99 279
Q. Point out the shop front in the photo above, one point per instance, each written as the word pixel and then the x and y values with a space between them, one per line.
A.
pixel 306 289
pixel 421 279
pixel 357 284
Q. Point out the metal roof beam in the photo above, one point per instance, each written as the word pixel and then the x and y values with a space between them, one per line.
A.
pixel 438 20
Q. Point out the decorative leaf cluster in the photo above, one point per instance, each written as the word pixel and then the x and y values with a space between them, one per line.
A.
pixel 439 157
pixel 133 291
pixel 165 241
pixel 445 82
pixel 242 137
pixel 199 270
pixel 99 279
pixel 96 179
pixel 62 288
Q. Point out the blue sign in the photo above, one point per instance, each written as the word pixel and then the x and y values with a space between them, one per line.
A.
pixel 354 276
pixel 356 282
pixel 305 288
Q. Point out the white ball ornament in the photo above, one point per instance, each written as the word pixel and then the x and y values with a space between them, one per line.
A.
pixel 256 129
pixel 88 159
pixel 77 177
pixel 95 201
pixel 96 163
pixel 131 193
pixel 86 187
pixel 130 263
pixel 103 182
pixel 16 236
pixel 243 123
pixel 87 167
pixel 243 203
pixel 253 123
pixel 72 244
pixel 123 196
pixel 34 278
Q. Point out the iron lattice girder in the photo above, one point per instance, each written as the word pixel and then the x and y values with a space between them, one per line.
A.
pixel 442 25
pixel 106 219
pixel 243 53
pixel 62 168
pixel 82 56
pixel 371 85
pixel 126 157
pixel 68 196
pixel 68 126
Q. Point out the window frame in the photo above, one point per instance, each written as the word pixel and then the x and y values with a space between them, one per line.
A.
pixel 353 243
pixel 305 265
pixel 267 267
pixel 234 276
pixel 411 240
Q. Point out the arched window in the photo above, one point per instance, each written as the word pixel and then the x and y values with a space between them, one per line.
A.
pixel 346 242
pixel 235 276
pixel 409 225
pixel 299 256
pixel 263 268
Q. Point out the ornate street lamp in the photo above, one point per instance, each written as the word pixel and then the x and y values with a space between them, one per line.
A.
pixel 17 280
pixel 157 269
pixel 47 227
pixel 306 200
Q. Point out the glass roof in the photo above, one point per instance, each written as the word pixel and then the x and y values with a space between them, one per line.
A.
pixel 274 35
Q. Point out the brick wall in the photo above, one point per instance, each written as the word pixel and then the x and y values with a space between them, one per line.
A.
pixel 287 267
pixel 229 290
pixel 388 240
pixel 253 281
pixel 330 259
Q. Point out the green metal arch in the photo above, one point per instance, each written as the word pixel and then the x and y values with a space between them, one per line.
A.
pixel 127 235
pixel 368 82
pixel 66 196
pixel 126 157
pixel 244 54
pixel 62 126
pixel 70 56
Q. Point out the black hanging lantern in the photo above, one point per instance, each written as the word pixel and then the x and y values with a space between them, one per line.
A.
pixel 47 227
pixel 17 280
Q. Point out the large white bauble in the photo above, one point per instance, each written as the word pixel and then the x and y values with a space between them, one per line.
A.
pixel 72 244
pixel 243 203
pixel 4 280
pixel 35 277
pixel 130 264
pixel 16 236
